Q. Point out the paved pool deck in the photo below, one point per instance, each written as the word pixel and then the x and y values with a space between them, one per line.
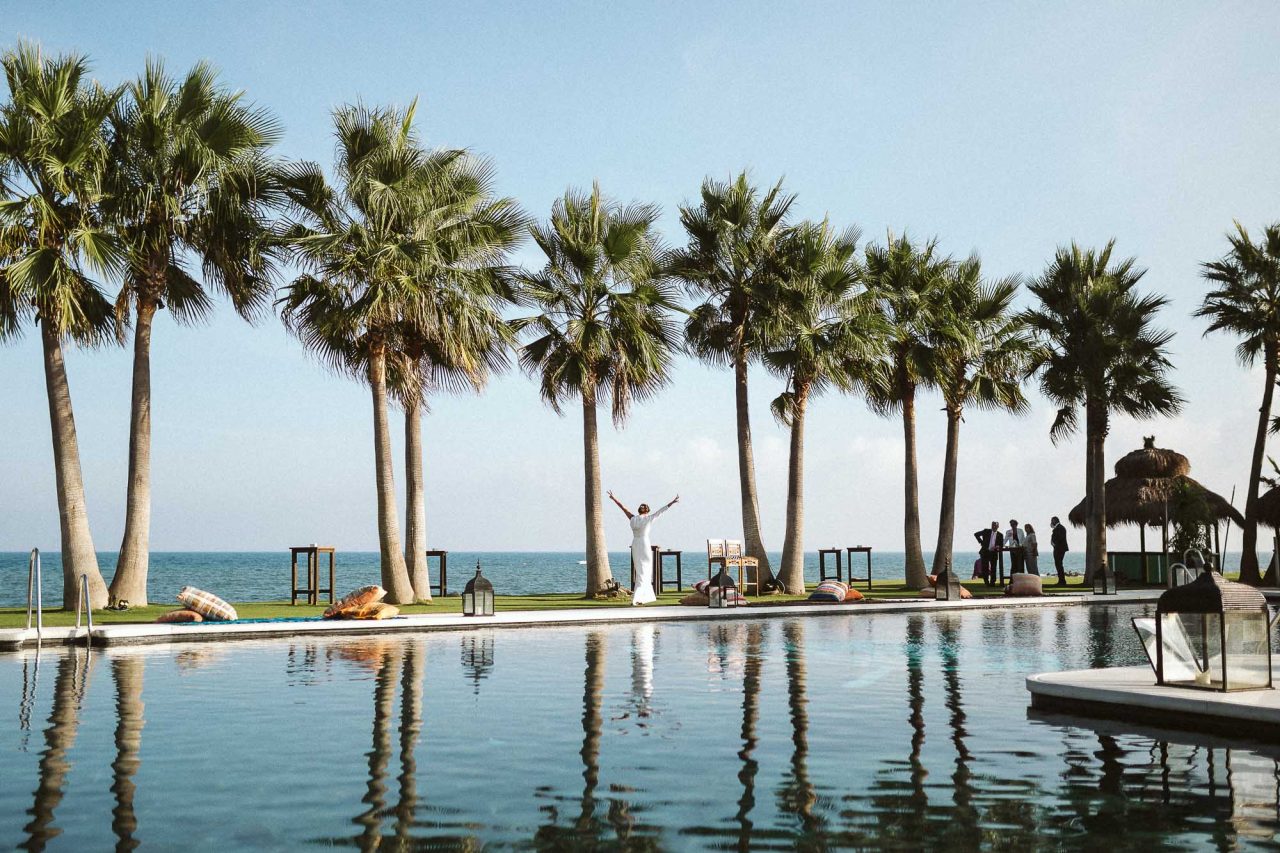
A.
pixel 1130 694
pixel 14 639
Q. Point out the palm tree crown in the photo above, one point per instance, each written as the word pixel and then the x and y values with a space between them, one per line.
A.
pixel 604 330
pixel 189 183
pixel 52 157
pixel 1098 350
pixel 983 361
pixel 825 332
pixel 732 264
pixel 910 284
pixel 1245 302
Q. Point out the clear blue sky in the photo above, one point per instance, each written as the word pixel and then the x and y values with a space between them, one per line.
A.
pixel 1005 128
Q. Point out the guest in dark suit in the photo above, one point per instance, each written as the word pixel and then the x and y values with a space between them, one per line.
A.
pixel 1058 538
pixel 990 541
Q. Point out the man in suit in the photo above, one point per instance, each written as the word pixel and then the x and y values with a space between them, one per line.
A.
pixel 1013 544
pixel 990 541
pixel 1058 538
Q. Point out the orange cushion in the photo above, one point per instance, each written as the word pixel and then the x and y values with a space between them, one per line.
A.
pixel 933 580
pixel 353 601
pixel 853 595
pixel 695 599
pixel 374 610
pixel 180 616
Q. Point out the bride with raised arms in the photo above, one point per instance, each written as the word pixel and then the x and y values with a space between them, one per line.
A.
pixel 641 548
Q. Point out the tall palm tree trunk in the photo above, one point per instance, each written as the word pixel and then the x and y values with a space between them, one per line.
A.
pixel 1095 520
pixel 1249 544
pixel 395 576
pixel 598 570
pixel 947 513
pixel 415 537
pixel 130 580
pixel 792 576
pixel 916 575
pixel 78 557
pixel 752 540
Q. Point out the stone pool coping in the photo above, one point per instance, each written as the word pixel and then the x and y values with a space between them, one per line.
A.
pixel 14 639
pixel 1129 694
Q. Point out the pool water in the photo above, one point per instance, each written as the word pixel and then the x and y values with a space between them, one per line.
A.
pixel 852 731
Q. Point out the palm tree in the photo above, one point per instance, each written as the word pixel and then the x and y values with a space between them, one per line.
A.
pixel 825 332
pixel 1246 303
pixel 910 283
pixel 1100 351
pixel 365 249
pixel 52 153
pixel 982 365
pixel 459 337
pixel 604 333
pixel 189 183
pixel 735 236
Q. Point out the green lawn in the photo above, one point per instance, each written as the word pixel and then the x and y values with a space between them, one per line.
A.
pixel 15 617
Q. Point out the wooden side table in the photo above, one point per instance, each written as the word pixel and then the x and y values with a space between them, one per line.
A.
pixel 859 549
pixel 658 556
pixel 822 564
pixel 442 583
pixel 312 589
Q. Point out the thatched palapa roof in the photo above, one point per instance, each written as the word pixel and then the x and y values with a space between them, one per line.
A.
pixel 1269 508
pixel 1145 480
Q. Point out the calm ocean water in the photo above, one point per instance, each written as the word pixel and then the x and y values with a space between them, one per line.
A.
pixel 264 575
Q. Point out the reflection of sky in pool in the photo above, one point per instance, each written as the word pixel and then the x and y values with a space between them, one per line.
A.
pixel 845 731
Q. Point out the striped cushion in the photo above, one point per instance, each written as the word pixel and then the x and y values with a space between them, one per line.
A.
pixel 355 600
pixel 207 604
pixel 829 591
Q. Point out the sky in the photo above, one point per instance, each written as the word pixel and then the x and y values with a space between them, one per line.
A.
pixel 1005 129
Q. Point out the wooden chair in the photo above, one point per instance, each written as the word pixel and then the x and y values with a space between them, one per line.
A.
pixel 748 567
pixel 715 556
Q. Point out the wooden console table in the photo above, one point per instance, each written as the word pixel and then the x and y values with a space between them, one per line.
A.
pixel 859 549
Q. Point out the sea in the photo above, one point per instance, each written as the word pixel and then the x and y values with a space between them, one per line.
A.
pixel 264 575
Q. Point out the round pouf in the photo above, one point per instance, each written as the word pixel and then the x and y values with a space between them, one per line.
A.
pixel 1025 583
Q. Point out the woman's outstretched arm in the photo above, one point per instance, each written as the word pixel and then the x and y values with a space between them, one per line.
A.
pixel 625 511
pixel 674 501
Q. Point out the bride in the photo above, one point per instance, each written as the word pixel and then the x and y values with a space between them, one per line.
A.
pixel 641 550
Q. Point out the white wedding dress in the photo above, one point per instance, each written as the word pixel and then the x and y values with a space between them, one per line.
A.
pixel 642 556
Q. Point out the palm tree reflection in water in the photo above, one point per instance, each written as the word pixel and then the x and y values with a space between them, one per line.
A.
pixel 965 831
pixel 797 795
pixel 127 671
pixel 380 755
pixel 751 674
pixel 64 722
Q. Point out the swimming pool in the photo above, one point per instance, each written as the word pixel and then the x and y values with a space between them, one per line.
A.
pixel 856 731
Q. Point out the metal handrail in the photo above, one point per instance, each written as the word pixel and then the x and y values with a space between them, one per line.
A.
pixel 35 586
pixel 88 610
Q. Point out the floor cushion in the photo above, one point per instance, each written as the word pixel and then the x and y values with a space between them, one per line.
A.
pixel 180 616
pixel 695 599
pixel 829 591
pixel 374 610
pixel 207 604
pixel 853 595
pixel 1025 583
pixel 354 600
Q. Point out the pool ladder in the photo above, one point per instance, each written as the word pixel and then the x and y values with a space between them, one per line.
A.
pixel 35 590
pixel 35 601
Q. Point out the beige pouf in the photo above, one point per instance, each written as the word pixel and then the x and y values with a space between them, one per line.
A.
pixel 1025 583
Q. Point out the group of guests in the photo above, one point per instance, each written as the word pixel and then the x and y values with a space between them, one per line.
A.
pixel 1022 547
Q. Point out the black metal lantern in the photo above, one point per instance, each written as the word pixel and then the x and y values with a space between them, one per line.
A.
pixel 477 595
pixel 1104 580
pixel 947 586
pixel 723 591
pixel 1213 634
